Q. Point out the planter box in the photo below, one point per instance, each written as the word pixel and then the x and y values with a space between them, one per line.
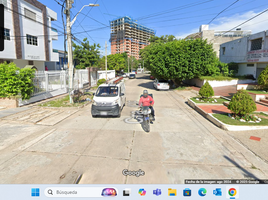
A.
pixel 257 97
pixel 246 86
pixel 199 83
pixel 8 103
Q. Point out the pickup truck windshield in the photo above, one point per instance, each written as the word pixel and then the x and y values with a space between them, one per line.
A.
pixel 109 91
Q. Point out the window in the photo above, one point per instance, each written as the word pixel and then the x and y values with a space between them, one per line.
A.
pixel 29 14
pixel 6 34
pixel 256 44
pixel 31 40
pixel 30 62
pixel 250 65
pixel 223 50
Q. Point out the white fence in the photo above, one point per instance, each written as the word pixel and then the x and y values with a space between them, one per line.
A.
pixel 110 74
pixel 52 83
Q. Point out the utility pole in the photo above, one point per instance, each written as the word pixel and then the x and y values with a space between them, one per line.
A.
pixel 70 51
pixel 128 65
pixel 106 58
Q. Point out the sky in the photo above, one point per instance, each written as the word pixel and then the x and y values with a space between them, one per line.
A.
pixel 169 17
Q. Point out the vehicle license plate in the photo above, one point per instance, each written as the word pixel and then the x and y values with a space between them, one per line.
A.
pixel 103 113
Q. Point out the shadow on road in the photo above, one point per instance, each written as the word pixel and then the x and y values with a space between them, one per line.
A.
pixel 148 85
pixel 246 173
pixel 147 77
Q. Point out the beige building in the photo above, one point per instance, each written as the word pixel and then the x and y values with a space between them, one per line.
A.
pixel 218 37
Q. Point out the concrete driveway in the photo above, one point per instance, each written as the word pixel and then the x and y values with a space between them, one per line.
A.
pixel 181 145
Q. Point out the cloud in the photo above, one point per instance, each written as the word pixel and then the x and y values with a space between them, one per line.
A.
pixel 256 25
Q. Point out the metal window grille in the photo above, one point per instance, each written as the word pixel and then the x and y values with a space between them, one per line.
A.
pixel 6 34
pixel 32 40
pixel 29 14
pixel 256 44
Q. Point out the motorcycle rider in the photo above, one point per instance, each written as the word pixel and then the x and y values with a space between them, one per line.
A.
pixel 147 100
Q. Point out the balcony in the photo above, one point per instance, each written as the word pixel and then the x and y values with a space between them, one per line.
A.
pixel 54 34
pixel 54 55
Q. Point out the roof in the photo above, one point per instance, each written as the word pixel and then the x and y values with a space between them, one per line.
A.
pixel 194 36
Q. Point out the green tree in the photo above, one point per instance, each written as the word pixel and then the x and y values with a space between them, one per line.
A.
pixel 206 91
pixel 263 78
pixel 242 103
pixel 162 39
pixel 86 55
pixel 16 82
pixel 180 59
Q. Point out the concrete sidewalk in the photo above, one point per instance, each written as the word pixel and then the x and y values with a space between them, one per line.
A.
pixel 11 111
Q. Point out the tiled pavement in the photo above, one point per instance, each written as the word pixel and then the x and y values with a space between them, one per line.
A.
pixel 224 109
pixel 226 91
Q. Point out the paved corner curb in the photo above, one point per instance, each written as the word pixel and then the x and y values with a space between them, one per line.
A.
pixel 220 124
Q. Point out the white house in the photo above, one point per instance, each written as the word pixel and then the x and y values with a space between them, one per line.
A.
pixel 251 53
pixel 216 37
pixel 28 34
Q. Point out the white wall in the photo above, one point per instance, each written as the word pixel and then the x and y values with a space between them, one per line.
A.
pixel 243 69
pixel 40 65
pixel 110 74
pixel 28 26
pixel 235 51
pixel 9 51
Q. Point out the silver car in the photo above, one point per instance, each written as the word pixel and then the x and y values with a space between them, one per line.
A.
pixel 161 84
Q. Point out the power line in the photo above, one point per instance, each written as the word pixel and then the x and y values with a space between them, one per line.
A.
pixel 200 16
pixel 87 13
pixel 194 11
pixel 223 11
pixel 174 9
pixel 244 22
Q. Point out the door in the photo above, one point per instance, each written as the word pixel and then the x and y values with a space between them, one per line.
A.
pixel 259 70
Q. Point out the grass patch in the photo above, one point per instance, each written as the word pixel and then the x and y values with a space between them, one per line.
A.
pixel 257 91
pixel 217 78
pixel 222 78
pixel 94 88
pixel 227 120
pixel 65 101
pixel 219 100
pixel 183 88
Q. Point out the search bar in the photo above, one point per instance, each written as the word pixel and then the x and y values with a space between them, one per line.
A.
pixel 80 192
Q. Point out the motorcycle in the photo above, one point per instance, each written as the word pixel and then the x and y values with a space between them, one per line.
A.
pixel 147 118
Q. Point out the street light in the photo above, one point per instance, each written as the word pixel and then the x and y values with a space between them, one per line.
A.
pixel 69 38
pixel 90 5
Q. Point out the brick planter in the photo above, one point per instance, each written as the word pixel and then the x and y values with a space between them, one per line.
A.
pixel 9 103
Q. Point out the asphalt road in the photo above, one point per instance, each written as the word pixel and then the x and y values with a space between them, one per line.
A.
pixel 181 145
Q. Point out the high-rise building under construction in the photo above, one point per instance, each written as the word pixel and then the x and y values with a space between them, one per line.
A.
pixel 129 36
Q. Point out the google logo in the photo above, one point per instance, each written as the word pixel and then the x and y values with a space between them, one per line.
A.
pixel 232 192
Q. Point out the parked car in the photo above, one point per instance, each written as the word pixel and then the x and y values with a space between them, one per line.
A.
pixel 124 75
pixel 161 84
pixel 134 71
pixel 109 100
pixel 132 75
pixel 151 77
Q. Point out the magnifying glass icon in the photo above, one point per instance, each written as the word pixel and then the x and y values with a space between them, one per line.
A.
pixel 50 192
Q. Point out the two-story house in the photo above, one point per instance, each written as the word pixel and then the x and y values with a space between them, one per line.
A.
pixel 251 53
pixel 28 34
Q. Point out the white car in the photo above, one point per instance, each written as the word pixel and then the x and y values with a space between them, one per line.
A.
pixel 109 100
pixel 161 84
pixel 124 75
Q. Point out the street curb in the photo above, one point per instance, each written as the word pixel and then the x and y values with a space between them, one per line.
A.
pixel 220 124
